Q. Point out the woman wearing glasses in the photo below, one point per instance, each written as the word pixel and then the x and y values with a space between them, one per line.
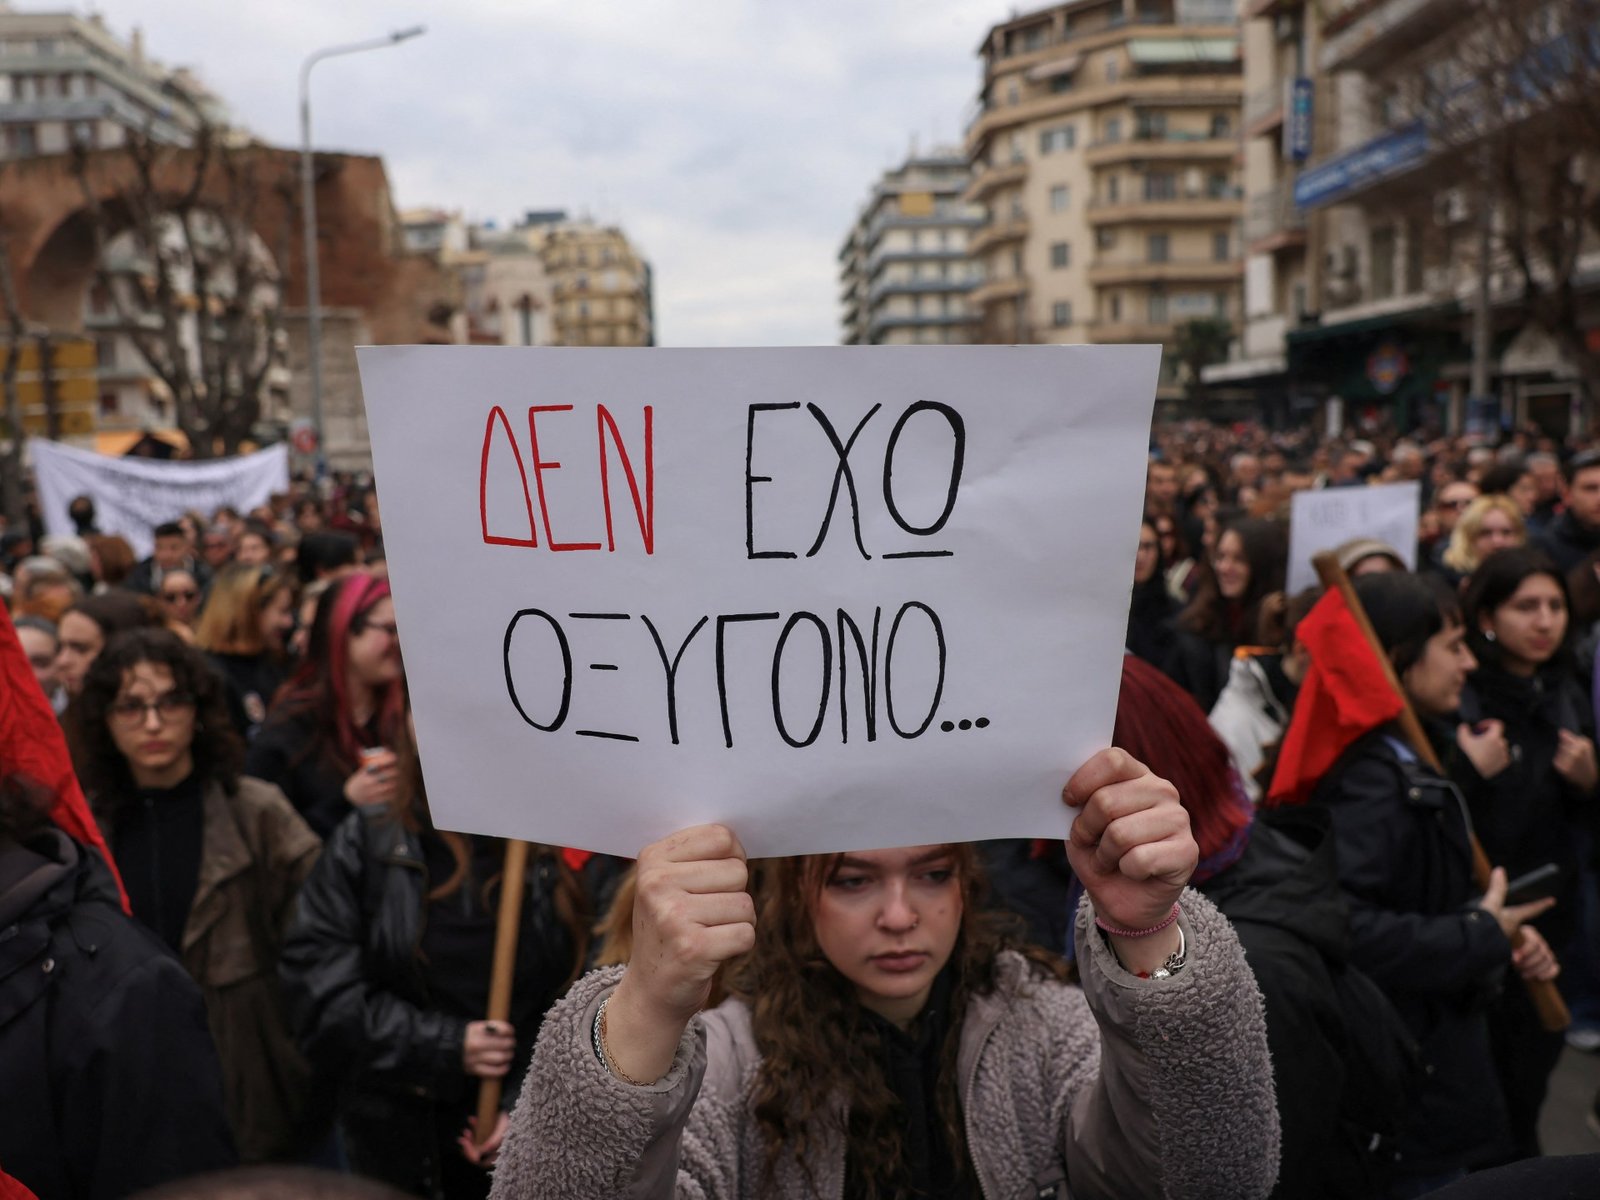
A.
pixel 180 602
pixel 328 739
pixel 212 862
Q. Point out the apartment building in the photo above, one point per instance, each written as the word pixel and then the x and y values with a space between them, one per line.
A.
pixel 904 268
pixel 66 78
pixel 1104 151
pixel 601 288
pixel 1363 225
pixel 506 291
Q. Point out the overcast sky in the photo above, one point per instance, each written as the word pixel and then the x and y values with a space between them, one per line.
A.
pixel 734 140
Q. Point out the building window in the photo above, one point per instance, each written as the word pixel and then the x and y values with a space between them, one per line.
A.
pixel 108 404
pixel 1061 255
pixel 1383 254
pixel 1113 69
pixel 1220 247
pixel 1060 137
pixel 1112 129
pixel 22 140
pixel 1151 127
pixel 1218 186
pixel 1116 306
pixel 1061 314
pixel 1012 94
pixel 1105 239
pixel 1113 188
pixel 1158 308
pixel 1061 83
pixel 1059 197
pixel 1158 248
pixel 1221 125
pixel 1160 185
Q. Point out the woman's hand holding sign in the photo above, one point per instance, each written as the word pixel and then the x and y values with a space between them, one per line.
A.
pixel 691 915
pixel 1132 848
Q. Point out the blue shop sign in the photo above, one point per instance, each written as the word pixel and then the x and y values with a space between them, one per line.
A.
pixel 1390 154
pixel 1297 129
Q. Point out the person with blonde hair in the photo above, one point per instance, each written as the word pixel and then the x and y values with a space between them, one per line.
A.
pixel 244 630
pixel 1490 523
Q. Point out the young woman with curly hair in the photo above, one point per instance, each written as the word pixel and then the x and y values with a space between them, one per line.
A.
pixel 329 735
pixel 883 1039
pixel 211 861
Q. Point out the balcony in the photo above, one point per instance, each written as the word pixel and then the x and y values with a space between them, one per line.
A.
pixel 998 234
pixel 1263 110
pixel 1182 210
pixel 997 291
pixel 1176 270
pixel 1274 221
pixel 986 183
pixel 1270 8
pixel 1170 148
pixel 1152 91
pixel 1115 333
pixel 1363 35
pixel 919 287
pixel 886 321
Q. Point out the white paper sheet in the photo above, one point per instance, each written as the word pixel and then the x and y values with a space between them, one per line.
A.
pixel 719 648
pixel 1323 519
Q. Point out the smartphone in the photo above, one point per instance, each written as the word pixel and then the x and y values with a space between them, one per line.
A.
pixel 1535 885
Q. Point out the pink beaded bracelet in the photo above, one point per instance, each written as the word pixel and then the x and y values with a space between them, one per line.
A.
pixel 1138 933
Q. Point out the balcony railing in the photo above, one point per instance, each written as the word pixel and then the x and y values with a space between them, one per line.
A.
pixel 998 234
pixel 1263 108
pixel 1170 270
pixel 1273 213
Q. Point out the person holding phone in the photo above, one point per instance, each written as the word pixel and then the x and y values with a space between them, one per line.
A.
pixel 883 1038
pixel 1527 768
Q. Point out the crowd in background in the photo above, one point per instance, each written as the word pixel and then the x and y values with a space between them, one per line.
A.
pixel 305 975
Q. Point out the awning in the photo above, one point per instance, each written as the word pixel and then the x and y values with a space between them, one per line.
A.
pixel 1392 321
pixel 1056 66
pixel 1168 51
pixel 116 443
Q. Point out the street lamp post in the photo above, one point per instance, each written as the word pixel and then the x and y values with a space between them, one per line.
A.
pixel 308 203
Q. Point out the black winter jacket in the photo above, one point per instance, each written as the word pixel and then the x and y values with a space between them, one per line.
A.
pixel 1528 815
pixel 1341 1059
pixel 361 1007
pixel 1569 541
pixel 291 752
pixel 1405 867
pixel 109 1082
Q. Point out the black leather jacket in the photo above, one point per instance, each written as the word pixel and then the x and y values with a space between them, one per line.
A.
pixel 360 1005
pixel 1405 867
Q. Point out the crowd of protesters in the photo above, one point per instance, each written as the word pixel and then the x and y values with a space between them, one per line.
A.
pixel 263 953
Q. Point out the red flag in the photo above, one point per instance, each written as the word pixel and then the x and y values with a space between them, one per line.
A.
pixel 32 745
pixel 1346 693
pixel 11 1188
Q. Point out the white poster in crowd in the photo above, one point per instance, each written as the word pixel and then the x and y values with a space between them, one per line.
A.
pixel 836 598
pixel 1324 519
pixel 134 495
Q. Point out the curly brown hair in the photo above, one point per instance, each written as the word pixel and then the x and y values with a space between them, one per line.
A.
pixel 102 770
pixel 816 1039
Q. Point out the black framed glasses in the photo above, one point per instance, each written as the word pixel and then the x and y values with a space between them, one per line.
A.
pixel 130 712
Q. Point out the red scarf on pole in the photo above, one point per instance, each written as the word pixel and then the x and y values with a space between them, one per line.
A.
pixel 1345 695
pixel 32 746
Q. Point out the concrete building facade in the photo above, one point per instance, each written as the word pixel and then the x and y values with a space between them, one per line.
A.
pixel 1104 150
pixel 1363 225
pixel 904 269
pixel 66 79
pixel 601 288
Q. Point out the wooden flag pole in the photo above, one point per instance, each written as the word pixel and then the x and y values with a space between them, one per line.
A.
pixel 1552 1009
pixel 507 929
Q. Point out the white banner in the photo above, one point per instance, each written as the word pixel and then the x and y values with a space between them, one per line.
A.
pixel 134 495
pixel 836 598
pixel 1329 517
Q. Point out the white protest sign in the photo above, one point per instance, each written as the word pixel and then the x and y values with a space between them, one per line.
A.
pixel 1323 519
pixel 836 597
pixel 134 495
